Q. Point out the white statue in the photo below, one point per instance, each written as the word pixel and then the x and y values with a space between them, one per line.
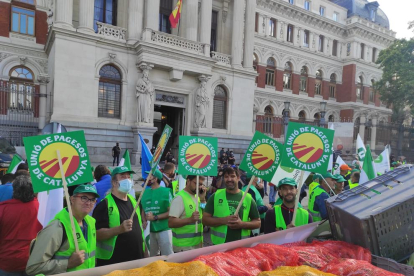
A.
pixel 202 102
pixel 144 92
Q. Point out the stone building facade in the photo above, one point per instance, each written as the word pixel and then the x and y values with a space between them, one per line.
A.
pixel 117 68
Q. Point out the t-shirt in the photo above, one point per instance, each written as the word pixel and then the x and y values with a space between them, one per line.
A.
pixel 157 201
pixel 128 246
pixel 6 192
pixel 177 210
pixel 233 201
pixel 270 219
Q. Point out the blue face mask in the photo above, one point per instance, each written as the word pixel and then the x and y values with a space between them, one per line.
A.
pixel 125 186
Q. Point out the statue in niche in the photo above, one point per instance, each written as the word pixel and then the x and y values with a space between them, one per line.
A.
pixel 144 92
pixel 202 102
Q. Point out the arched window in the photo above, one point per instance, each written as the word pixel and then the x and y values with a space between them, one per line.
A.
pixel 332 86
pixel 360 88
pixel 109 100
pixel 270 72
pixel 372 92
pixel 302 116
pixel 317 118
pixel 267 126
pixel 304 79
pixel 287 76
pixel 220 108
pixel 22 88
pixel 318 83
pixel 331 118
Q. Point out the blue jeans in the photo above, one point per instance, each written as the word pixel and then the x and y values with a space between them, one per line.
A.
pixel 272 194
pixel 265 187
pixel 5 273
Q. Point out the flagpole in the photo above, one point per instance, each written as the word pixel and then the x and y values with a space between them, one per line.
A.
pixel 140 196
pixel 295 210
pixel 197 186
pixel 244 195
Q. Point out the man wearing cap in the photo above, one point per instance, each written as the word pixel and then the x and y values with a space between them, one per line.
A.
pixel 219 214
pixel 119 239
pixel 281 217
pixel 354 181
pixel 316 180
pixel 320 193
pixel 339 181
pixel 345 171
pixel 54 251
pixel 156 204
pixel 183 215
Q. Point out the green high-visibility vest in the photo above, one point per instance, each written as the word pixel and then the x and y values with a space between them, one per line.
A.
pixel 105 248
pixel 89 246
pixel 221 210
pixel 353 185
pixel 312 186
pixel 259 199
pixel 316 216
pixel 302 218
pixel 175 187
pixel 186 236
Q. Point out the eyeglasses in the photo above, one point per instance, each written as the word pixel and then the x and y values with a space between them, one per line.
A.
pixel 86 199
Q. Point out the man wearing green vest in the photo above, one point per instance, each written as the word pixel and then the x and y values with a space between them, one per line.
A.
pixel 316 180
pixel 354 181
pixel 183 216
pixel 119 239
pixel 339 182
pixel 53 251
pixel 316 205
pixel 345 171
pixel 219 214
pixel 156 204
pixel 281 217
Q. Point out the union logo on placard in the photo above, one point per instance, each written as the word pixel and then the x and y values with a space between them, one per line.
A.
pixel 198 156
pixel 50 165
pixel 308 148
pixel 263 157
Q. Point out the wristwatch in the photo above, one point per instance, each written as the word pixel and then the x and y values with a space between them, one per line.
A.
pixel 155 217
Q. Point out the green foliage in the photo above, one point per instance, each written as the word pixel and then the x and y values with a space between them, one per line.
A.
pixel 397 84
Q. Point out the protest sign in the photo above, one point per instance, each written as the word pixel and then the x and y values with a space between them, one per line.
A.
pixel 159 150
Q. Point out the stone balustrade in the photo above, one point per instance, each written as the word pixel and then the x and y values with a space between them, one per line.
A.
pixel 111 32
pixel 221 58
pixel 177 42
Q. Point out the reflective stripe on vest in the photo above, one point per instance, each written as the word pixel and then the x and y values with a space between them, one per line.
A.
pixel 221 210
pixel 105 248
pixel 353 185
pixel 186 236
pixel 259 199
pixel 316 192
pixel 89 246
pixel 302 218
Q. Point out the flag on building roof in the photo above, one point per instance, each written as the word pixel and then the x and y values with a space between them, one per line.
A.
pixel 16 161
pixel 175 14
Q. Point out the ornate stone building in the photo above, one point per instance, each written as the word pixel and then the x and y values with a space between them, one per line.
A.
pixel 117 68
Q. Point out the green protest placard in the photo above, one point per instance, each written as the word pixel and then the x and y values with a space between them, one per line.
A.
pixel 43 162
pixel 307 148
pixel 262 157
pixel 197 156
pixel 160 147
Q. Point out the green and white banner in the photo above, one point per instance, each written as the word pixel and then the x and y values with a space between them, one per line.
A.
pixel 197 156
pixel 307 148
pixel 283 172
pixel 382 163
pixel 262 157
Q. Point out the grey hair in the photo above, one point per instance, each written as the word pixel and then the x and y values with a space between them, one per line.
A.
pixel 23 189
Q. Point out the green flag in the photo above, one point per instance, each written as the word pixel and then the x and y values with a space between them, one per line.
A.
pixel 368 169
pixel 16 161
pixel 125 161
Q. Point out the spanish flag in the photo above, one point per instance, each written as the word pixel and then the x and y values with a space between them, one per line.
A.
pixel 175 15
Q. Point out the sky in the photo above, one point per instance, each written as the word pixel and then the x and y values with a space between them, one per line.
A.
pixel 399 13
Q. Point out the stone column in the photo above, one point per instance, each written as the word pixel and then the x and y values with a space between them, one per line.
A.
pixel 278 29
pixel 374 132
pixel 44 80
pixel 362 126
pixel 205 25
pixel 237 35
pixel 86 12
pixel 266 24
pixel 249 34
pixel 152 13
pixel 64 14
pixel 135 20
pixel 190 19
pixel 296 35
pixel 325 45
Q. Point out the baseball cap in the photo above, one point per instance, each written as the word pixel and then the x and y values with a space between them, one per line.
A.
pixel 86 188
pixel 157 174
pixel 327 175
pixel 355 170
pixel 316 176
pixel 345 167
pixel 121 169
pixel 287 181
pixel 339 178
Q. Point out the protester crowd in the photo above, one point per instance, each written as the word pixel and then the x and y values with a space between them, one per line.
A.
pixel 107 234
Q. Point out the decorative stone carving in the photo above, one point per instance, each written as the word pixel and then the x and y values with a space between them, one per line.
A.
pixel 110 31
pixel 43 79
pixel 176 41
pixel 202 102
pixel 112 56
pixel 255 108
pixel 50 13
pixel 221 58
pixel 3 56
pixel 144 92
pixel 23 60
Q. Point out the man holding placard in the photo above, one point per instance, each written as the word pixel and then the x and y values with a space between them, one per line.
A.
pixel 220 212
pixel 281 217
pixel 54 249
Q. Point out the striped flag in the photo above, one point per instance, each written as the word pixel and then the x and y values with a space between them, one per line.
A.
pixel 16 161
pixel 176 13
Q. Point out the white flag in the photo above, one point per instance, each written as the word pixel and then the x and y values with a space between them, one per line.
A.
pixel 50 202
pixel 339 162
pixel 360 150
pixel 382 163
pixel 283 172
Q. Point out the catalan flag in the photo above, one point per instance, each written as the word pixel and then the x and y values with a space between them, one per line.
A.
pixel 176 13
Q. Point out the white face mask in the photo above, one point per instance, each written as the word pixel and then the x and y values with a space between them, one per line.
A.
pixel 125 185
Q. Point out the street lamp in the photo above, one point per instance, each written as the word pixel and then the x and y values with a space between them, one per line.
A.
pixel 286 116
pixel 323 112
